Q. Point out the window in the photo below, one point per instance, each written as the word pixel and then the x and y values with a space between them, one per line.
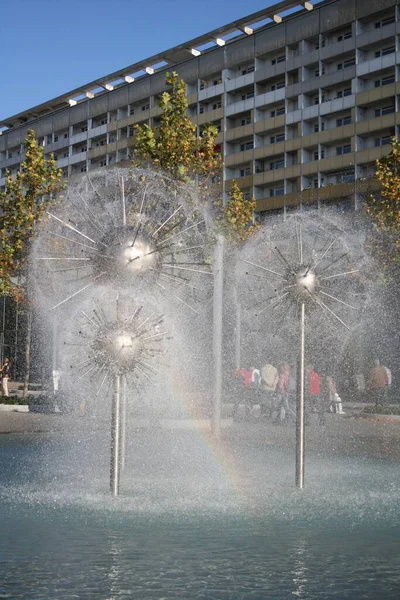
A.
pixel 387 110
pixel 277 164
pixel 217 105
pixel 385 51
pixel 347 177
pixel 245 121
pixel 276 191
pixel 249 69
pixel 131 109
pixel 84 148
pixel 316 127
pixel 201 109
pixel 384 22
pixel 248 95
pixel 84 128
pixel 316 155
pixel 278 111
pixel 343 93
pixel 246 195
pixel 347 63
pixel 316 100
pixel 146 106
pixel 65 173
pixel 246 146
pixel 384 81
pixel 56 138
pixel 343 121
pixel 245 172
pixel 83 169
pixel 343 149
pixel 280 59
pixel 382 141
pixel 217 81
pixel 277 86
pixel 274 139
pixel 345 36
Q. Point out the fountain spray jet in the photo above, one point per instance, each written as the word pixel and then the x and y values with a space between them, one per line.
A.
pixel 297 262
pixel 116 349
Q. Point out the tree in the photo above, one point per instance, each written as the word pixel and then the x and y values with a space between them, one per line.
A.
pixel 238 214
pixel 174 146
pixel 383 209
pixel 22 206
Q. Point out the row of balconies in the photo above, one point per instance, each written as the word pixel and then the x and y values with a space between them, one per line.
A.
pixel 325 165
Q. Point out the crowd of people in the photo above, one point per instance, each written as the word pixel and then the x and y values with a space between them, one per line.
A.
pixel 274 390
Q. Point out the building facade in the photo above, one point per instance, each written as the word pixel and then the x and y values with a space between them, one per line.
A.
pixel 304 103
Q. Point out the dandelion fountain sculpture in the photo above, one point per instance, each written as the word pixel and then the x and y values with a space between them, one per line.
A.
pixel 115 350
pixel 297 259
pixel 126 228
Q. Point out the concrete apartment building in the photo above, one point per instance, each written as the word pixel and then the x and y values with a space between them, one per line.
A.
pixel 305 96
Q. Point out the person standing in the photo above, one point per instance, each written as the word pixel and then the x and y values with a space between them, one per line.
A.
pixel 5 373
pixel 314 401
pixel 269 381
pixel 284 410
pixel 378 384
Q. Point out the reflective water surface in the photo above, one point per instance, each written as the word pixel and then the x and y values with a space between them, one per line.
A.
pixel 194 521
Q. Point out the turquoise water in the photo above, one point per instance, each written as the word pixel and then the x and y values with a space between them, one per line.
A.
pixel 191 523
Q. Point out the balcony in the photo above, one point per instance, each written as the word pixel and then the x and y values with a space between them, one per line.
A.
pixel 370 155
pixel 270 97
pixel 269 124
pixel 337 104
pixel 376 94
pixel 267 177
pixel 240 106
pixel 78 138
pixel 239 158
pixel 210 115
pixel 269 150
pixel 376 64
pixel 239 82
pixel 242 182
pixel 211 92
pixel 336 134
pixel 238 133
pixel 269 203
pixel 339 190
pixel 376 124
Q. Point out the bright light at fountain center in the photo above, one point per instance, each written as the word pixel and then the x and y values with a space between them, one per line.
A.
pixel 306 282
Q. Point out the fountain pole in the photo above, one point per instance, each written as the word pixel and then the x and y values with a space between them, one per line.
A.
pixel 300 429
pixel 115 437
pixel 123 423
pixel 217 335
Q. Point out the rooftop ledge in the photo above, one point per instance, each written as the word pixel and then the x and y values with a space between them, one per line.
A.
pixel 213 39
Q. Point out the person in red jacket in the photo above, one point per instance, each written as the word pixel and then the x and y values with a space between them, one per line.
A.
pixel 314 402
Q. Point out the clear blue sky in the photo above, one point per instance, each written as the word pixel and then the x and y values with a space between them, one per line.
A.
pixel 49 47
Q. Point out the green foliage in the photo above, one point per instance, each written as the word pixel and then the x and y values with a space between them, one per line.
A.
pixel 383 209
pixel 22 205
pixel 238 215
pixel 174 146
